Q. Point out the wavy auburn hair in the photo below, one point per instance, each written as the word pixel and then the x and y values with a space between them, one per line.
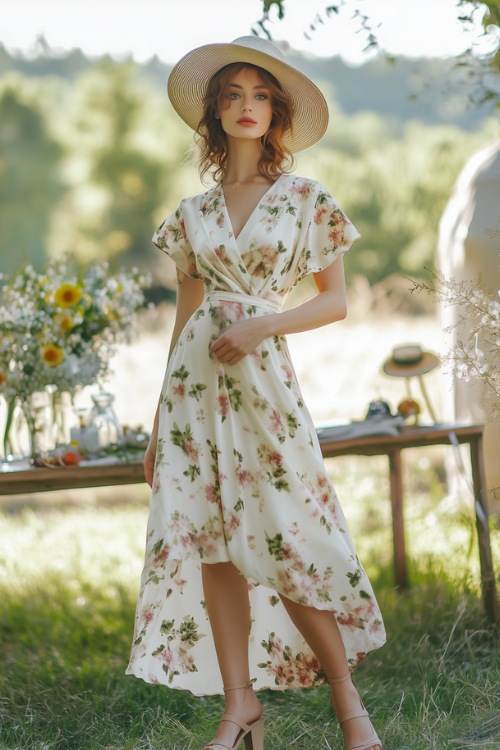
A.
pixel 275 158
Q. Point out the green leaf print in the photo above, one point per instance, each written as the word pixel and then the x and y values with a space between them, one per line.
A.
pixel 268 645
pixel 281 247
pixel 166 627
pixel 156 549
pixel 181 373
pixel 176 228
pixel 168 403
pixel 188 631
pixel 292 424
pixel 281 484
pixel 274 600
pixel 160 450
pixel 197 390
pixel 239 505
pixel 185 441
pixel 279 342
pixel 354 578
pixel 311 570
pixel 323 521
pixel 233 392
pixel 321 199
pixel 192 471
pixel 260 401
pixel 365 595
pixel 323 595
pixel 275 546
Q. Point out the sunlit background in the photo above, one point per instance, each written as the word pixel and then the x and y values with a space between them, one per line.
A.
pixel 92 158
pixel 169 29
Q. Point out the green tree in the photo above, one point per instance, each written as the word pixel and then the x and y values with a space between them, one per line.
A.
pixel 30 180
pixel 393 186
pixel 115 181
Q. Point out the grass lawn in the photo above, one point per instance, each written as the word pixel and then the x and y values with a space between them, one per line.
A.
pixel 68 582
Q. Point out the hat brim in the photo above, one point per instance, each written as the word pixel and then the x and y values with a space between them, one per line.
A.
pixel 425 364
pixel 189 78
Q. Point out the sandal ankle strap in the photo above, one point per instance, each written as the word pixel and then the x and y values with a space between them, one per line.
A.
pixel 333 680
pixel 248 684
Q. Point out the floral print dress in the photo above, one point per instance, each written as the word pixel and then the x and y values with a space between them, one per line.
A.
pixel 239 474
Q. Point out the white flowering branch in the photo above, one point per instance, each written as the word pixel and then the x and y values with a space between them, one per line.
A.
pixel 477 355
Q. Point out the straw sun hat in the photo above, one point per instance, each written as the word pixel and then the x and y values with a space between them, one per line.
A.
pixel 409 360
pixel 189 78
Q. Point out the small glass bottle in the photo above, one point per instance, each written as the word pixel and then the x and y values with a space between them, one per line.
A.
pixel 103 417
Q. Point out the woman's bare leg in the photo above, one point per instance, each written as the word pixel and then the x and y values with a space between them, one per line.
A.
pixel 320 631
pixel 228 608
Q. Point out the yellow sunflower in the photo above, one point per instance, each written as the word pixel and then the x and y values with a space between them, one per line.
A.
pixel 68 295
pixel 51 354
pixel 65 322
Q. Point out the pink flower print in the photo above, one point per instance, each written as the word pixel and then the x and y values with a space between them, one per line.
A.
pixel 271 458
pixel 319 215
pixel 231 522
pixel 147 615
pixel 221 253
pixel 336 236
pixel 244 477
pixel 222 405
pixel 211 493
pixel 220 219
pixel 231 311
pixel 276 424
pixel 192 449
pixel 301 189
pixel 179 391
pixel 162 556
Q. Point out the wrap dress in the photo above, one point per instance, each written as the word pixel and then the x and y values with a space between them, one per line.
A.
pixel 239 474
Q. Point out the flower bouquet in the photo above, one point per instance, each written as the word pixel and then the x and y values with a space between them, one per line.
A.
pixel 60 328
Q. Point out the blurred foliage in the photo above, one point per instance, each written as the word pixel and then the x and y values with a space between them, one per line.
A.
pixel 30 181
pixel 91 164
pixel 480 67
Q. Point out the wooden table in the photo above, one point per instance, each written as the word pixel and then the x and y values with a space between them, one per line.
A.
pixel 417 437
pixel 42 480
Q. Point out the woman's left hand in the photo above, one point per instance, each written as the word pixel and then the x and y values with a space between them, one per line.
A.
pixel 240 339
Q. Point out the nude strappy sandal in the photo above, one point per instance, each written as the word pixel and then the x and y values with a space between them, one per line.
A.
pixel 252 734
pixel 373 740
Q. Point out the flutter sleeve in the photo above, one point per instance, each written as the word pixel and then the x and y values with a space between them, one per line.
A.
pixel 172 239
pixel 329 234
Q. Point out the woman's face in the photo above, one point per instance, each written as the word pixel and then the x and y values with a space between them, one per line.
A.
pixel 246 108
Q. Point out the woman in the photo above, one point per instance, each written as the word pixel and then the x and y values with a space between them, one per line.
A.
pixel 250 570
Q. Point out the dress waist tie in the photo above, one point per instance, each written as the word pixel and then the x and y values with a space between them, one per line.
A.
pixel 244 299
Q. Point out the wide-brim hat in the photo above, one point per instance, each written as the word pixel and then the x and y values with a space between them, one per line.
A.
pixel 409 360
pixel 188 81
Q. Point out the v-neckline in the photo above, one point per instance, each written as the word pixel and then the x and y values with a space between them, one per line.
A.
pixel 247 222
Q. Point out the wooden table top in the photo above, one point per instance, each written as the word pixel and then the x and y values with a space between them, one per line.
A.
pixel 40 479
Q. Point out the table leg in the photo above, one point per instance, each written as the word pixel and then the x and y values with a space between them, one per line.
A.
pixel 398 531
pixel 483 532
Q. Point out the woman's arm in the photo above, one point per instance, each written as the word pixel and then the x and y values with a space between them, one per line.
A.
pixel 327 306
pixel 189 298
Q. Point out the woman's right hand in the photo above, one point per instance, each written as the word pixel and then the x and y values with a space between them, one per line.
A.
pixel 149 462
